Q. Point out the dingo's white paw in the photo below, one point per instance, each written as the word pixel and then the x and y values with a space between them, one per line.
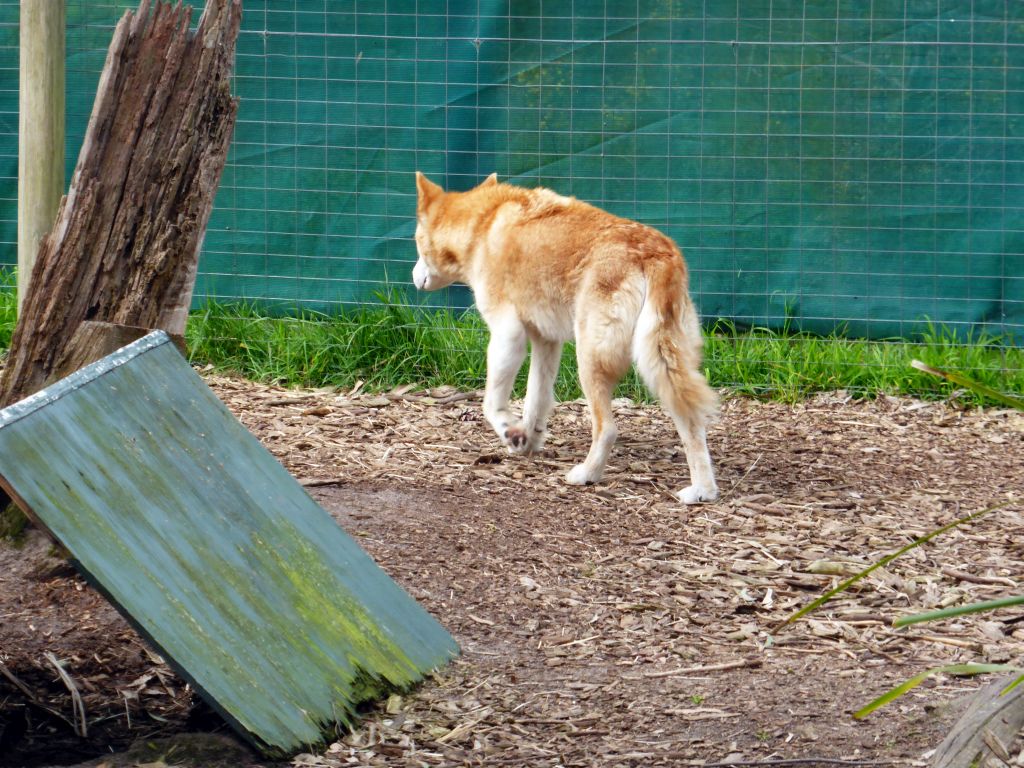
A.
pixel 580 475
pixel 516 438
pixel 696 494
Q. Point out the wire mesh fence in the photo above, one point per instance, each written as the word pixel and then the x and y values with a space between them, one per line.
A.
pixel 827 166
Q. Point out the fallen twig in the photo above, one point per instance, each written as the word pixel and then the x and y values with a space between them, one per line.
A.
pixel 33 699
pixel 975 579
pixel 317 482
pixel 706 668
pixel 289 400
pixel 702 713
pixel 78 706
pixel 457 397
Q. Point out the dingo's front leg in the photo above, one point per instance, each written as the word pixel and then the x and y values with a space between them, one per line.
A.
pixel 505 353
pixel 540 392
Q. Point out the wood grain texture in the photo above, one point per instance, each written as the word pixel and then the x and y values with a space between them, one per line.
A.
pixel 211 549
pixel 126 243
pixel 989 725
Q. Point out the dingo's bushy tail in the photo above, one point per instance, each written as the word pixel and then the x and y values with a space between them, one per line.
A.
pixel 667 349
pixel 667 346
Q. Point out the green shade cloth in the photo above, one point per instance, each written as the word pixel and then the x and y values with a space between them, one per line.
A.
pixel 211 549
pixel 824 164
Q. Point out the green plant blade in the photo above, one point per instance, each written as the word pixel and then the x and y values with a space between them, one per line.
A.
pixel 893 693
pixel 817 603
pixel 975 386
pixel 959 610
pixel 916 680
pixel 1012 685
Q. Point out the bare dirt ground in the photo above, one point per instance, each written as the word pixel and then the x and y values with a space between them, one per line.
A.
pixel 600 626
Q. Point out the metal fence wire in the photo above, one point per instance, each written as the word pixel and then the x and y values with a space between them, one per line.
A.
pixel 825 165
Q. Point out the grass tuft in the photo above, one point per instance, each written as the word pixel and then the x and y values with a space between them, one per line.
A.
pixel 384 346
pixel 8 307
pixel 791 366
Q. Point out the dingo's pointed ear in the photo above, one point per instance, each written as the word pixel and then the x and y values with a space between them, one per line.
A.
pixel 426 190
pixel 490 181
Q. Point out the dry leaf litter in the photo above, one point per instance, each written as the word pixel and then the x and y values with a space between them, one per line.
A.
pixel 610 625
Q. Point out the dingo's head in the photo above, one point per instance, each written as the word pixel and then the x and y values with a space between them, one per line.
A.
pixel 442 236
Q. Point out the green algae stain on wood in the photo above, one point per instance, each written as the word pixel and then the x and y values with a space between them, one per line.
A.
pixel 211 549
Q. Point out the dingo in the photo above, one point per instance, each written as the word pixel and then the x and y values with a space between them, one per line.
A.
pixel 547 268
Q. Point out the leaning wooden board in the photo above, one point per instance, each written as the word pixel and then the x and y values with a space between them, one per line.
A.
pixel 211 549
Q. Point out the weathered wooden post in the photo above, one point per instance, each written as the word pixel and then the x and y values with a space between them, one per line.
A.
pixel 984 732
pixel 119 253
pixel 40 129
pixel 123 248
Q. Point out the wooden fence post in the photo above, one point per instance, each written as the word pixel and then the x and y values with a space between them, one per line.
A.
pixel 40 129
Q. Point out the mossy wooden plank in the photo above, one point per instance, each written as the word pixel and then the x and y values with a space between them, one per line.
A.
pixel 207 544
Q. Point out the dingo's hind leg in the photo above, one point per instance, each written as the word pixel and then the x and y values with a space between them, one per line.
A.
pixel 602 352
pixel 693 434
pixel 667 357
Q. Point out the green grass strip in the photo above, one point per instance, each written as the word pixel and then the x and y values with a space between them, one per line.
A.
pixel 8 307
pixel 392 343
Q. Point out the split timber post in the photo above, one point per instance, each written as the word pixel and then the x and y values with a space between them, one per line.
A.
pixel 121 254
pixel 40 128
pixel 123 248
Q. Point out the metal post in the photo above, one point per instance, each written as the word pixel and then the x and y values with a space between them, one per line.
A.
pixel 40 128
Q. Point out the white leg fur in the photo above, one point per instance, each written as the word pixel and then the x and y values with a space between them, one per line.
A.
pixel 592 469
pixel 505 353
pixel 702 477
pixel 529 435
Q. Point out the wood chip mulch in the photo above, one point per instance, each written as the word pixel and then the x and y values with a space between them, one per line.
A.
pixel 610 625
